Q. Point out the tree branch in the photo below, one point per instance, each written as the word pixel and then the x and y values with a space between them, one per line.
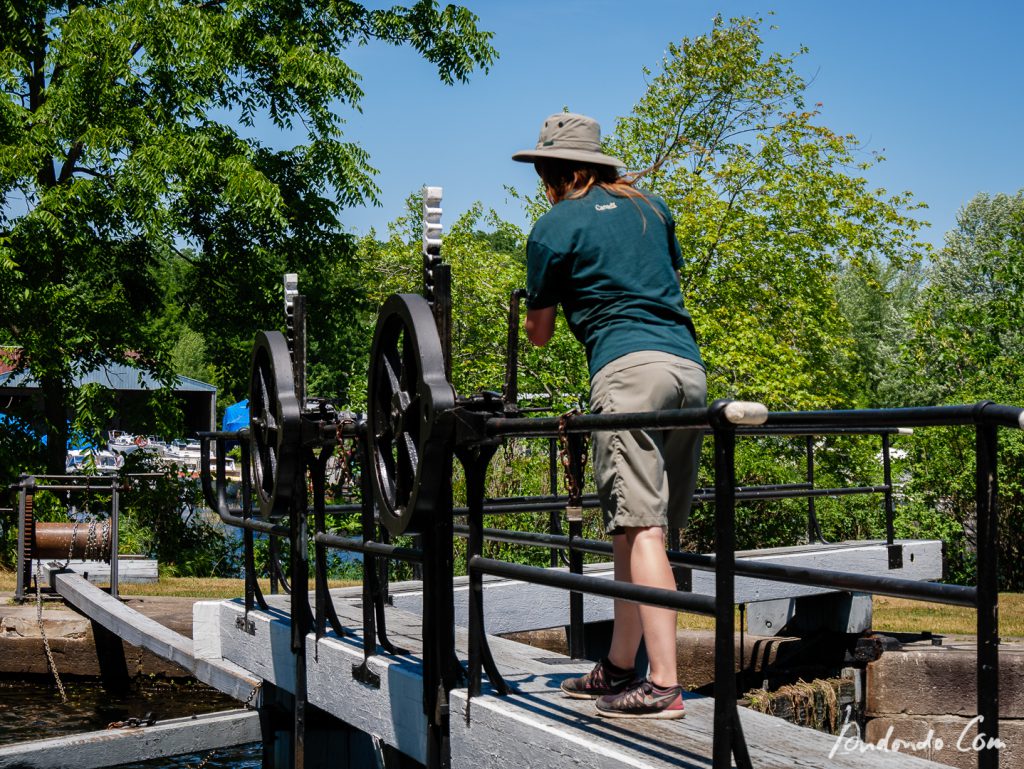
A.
pixel 68 169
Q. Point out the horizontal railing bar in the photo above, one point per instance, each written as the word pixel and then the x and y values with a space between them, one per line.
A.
pixel 584 423
pixel 798 493
pixel 895 587
pixel 360 545
pixel 581 583
pixel 922 416
pixel 107 487
pixel 824 429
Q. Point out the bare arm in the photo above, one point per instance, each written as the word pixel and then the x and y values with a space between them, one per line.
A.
pixel 540 325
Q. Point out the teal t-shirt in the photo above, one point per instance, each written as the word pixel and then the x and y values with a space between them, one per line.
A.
pixel 610 261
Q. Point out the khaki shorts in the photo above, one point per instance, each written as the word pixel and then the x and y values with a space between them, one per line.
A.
pixel 646 477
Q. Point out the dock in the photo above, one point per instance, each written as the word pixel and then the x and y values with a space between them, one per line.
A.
pixel 534 726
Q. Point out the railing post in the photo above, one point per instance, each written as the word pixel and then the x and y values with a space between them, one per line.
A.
pixel 115 514
pixel 574 515
pixel 988 594
pixel 890 531
pixel 25 535
pixel 554 521
pixel 728 733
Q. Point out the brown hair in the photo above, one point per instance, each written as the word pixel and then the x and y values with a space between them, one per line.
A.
pixel 567 179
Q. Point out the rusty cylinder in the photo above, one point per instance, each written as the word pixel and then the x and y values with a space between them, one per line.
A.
pixel 89 541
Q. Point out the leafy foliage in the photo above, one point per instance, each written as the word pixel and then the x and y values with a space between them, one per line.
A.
pixel 119 144
pixel 769 205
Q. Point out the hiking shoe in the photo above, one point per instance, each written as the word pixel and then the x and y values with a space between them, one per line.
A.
pixel 643 700
pixel 604 679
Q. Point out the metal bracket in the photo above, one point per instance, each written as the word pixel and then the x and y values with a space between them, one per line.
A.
pixel 364 675
pixel 246 624
pixel 684 578
pixel 895 556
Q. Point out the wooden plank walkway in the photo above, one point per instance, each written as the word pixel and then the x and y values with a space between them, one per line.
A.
pixel 113 747
pixel 139 630
pixel 534 727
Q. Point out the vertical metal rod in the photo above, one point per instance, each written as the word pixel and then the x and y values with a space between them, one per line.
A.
pixel 577 641
pixel 24 537
pixel 248 545
pixel 812 517
pixel 725 513
pixel 371 583
pixel 299 353
pixel 510 392
pixel 475 481
pixel 554 522
pixel 890 529
pixel 443 312
pixel 320 589
pixel 440 664
pixel 728 733
pixel 299 616
pixel 986 441
pixel 115 505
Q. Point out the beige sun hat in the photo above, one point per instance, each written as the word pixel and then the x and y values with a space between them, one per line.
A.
pixel 568 136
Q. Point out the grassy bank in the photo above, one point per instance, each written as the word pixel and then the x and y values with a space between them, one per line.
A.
pixel 898 615
pixel 894 615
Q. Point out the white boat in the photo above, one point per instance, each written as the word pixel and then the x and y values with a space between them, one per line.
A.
pixel 93 460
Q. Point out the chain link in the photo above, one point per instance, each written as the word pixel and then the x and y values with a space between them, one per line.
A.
pixel 74 537
pixel 572 483
pixel 346 453
pixel 252 695
pixel 42 631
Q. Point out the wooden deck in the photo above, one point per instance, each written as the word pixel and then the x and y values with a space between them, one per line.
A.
pixel 534 727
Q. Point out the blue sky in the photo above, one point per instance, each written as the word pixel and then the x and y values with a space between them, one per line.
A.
pixel 934 86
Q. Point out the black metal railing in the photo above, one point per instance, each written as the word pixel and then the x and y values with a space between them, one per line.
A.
pixel 441 667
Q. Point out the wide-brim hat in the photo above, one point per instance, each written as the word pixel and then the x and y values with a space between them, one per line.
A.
pixel 568 136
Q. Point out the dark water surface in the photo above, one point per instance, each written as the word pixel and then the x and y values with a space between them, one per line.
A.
pixel 32 710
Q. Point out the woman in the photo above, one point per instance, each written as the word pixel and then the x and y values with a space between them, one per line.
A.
pixel 607 253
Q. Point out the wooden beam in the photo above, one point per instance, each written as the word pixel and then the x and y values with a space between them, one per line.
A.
pixel 139 630
pixel 113 747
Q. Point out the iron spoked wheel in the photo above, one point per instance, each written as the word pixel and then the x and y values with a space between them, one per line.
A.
pixel 274 422
pixel 408 392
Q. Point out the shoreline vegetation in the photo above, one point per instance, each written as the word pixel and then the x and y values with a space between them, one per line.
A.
pixel 893 615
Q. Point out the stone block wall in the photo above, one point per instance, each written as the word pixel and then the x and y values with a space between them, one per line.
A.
pixel 923 701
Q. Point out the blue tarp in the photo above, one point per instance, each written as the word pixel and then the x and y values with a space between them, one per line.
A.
pixel 76 440
pixel 236 416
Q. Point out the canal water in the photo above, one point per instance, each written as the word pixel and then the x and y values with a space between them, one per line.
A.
pixel 32 710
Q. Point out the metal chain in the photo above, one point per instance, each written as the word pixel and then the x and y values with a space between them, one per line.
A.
pixel 104 544
pixel 205 761
pixel 572 483
pixel 346 454
pixel 42 632
pixel 252 695
pixel 137 722
pixel 74 537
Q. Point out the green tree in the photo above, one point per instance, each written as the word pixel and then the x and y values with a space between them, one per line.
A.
pixel 488 262
pixel 967 345
pixel 118 142
pixel 878 300
pixel 769 205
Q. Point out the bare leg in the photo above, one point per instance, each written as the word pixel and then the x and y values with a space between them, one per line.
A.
pixel 645 562
pixel 627 630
